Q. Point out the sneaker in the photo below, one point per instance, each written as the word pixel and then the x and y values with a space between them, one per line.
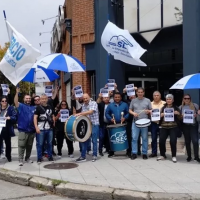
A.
pixel 59 157
pixel 21 163
pixel 133 156
pixel 51 159
pixel 80 159
pixel 197 160
pixel 160 158
pixel 89 152
pixel 111 154
pixel 29 160
pixel 152 155
pixel 94 158
pixel 101 154
pixel 189 159
pixel 39 161
pixel 3 156
pixel 145 157
pixel 174 160
pixel 71 155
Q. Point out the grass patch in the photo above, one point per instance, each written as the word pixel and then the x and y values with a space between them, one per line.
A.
pixel 41 187
pixel 56 182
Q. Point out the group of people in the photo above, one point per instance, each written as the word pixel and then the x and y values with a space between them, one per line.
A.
pixel 41 120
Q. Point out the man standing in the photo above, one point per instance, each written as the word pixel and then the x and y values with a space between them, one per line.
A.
pixel 44 121
pixel 139 108
pixel 90 109
pixel 25 126
pixel 114 113
pixel 157 103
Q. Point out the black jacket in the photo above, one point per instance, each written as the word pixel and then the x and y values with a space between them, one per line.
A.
pixel 101 107
pixel 128 101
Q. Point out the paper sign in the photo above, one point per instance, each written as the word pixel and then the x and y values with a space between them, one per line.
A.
pixel 78 91
pixel 5 89
pixel 155 116
pixel 169 114
pixel 48 90
pixel 104 92
pixel 111 84
pixel 64 115
pixel 188 116
pixel 2 122
pixel 130 90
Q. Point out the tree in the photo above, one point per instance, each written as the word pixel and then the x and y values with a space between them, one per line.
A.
pixel 25 87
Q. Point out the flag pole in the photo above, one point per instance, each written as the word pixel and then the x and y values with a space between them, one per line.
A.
pixel 108 62
pixel 4 14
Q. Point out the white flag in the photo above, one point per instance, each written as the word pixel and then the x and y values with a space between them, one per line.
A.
pixel 19 57
pixel 122 45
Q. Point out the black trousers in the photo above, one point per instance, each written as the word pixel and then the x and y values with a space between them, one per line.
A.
pixel 129 136
pixel 191 134
pixel 6 137
pixel 164 133
pixel 60 138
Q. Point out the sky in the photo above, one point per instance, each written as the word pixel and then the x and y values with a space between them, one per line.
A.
pixel 25 16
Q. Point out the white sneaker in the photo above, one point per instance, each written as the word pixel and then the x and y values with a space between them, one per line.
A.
pixel 160 158
pixel 174 159
pixel 59 157
pixel 3 156
pixel 29 161
pixel 21 163
pixel 94 158
pixel 71 155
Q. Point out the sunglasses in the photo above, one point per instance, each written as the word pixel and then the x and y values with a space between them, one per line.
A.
pixel 4 101
pixel 186 98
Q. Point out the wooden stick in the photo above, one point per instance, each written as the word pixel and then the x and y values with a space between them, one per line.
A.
pixel 141 112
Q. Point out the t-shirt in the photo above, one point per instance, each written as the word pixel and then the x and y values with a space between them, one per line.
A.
pixel 42 112
pixel 138 105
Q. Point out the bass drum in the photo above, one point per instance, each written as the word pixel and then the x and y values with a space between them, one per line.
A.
pixel 78 128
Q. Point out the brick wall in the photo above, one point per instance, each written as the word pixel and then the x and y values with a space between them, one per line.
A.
pixel 82 14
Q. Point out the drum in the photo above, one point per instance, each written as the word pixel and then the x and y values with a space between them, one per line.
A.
pixel 118 137
pixel 141 123
pixel 78 128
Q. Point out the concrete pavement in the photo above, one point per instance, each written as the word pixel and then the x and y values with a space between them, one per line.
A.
pixel 119 172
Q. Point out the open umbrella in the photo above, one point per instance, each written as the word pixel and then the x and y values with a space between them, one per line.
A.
pixel 61 62
pixel 40 75
pixel 188 82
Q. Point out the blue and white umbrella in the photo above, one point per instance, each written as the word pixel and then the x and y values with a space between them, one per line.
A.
pixel 188 82
pixel 61 62
pixel 40 75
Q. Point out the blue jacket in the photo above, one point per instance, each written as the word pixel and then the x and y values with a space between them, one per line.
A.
pixel 115 109
pixel 9 123
pixel 25 118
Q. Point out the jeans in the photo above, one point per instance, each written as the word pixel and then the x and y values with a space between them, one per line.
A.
pixel 40 138
pixel 103 132
pixel 84 145
pixel 164 132
pixel 88 146
pixel 154 137
pixel 135 135
pixel 191 134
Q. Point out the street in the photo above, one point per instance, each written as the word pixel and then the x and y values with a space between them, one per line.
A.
pixel 12 191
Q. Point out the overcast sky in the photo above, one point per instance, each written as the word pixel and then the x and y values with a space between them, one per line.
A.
pixel 26 16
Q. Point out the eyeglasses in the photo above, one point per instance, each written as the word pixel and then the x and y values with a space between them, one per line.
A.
pixel 4 101
pixel 186 98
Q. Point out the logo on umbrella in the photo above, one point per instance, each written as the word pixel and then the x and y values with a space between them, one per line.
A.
pixel 120 41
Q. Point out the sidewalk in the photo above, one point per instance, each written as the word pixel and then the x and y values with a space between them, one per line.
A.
pixel 118 172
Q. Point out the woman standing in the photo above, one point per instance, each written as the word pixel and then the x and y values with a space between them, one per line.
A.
pixel 190 130
pixel 60 132
pixel 9 113
pixel 170 116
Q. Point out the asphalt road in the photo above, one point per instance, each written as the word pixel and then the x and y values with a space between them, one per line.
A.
pixel 12 191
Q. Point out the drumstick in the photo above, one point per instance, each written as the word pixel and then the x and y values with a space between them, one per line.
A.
pixel 113 118
pixel 122 114
pixel 141 112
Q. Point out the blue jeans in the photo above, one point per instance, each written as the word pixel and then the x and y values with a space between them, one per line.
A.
pixel 40 138
pixel 135 134
pixel 154 136
pixel 89 148
pixel 84 145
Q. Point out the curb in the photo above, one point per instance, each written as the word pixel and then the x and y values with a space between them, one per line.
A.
pixel 86 191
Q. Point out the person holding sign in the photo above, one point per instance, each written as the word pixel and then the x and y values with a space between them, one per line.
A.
pixel 156 104
pixel 8 118
pixel 61 116
pixel 170 122
pixel 190 126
